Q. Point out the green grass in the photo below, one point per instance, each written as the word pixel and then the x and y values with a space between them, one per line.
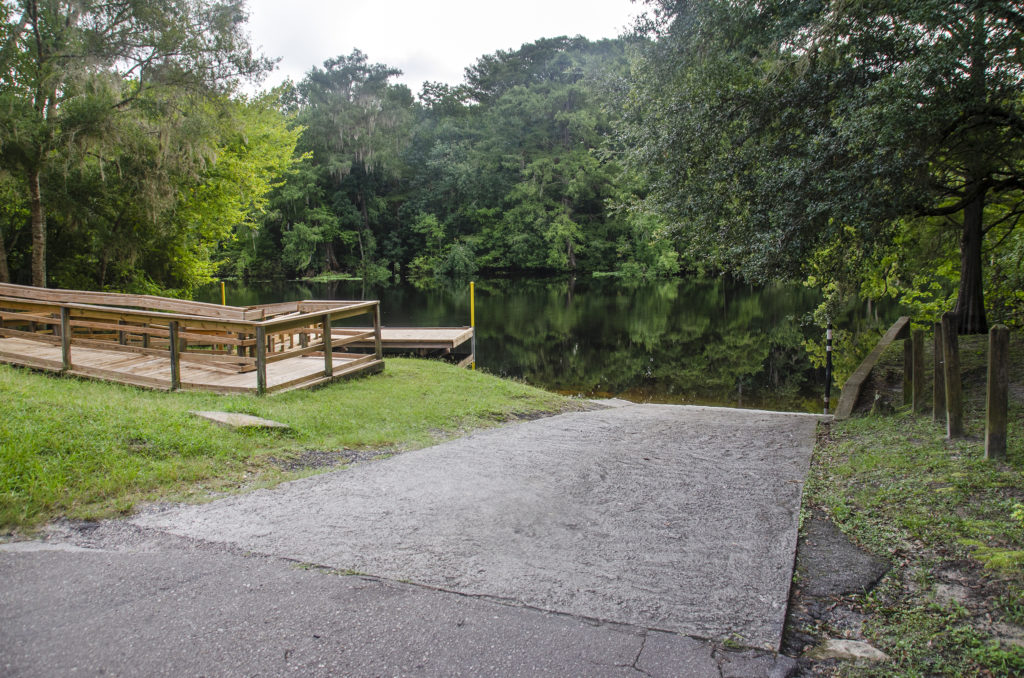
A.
pixel 900 489
pixel 81 449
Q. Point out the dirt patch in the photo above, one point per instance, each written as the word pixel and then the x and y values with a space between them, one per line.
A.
pixel 831 574
pixel 320 459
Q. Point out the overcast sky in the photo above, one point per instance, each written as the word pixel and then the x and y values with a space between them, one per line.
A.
pixel 428 39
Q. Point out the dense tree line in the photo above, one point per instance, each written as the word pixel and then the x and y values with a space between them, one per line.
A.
pixel 870 147
pixel 514 170
pixel 876 146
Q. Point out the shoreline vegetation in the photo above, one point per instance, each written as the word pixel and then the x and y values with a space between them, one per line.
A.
pixel 949 523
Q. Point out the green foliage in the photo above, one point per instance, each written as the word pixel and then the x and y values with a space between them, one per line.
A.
pixel 798 138
pixel 106 142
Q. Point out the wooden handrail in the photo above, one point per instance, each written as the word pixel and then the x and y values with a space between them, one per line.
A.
pixel 125 321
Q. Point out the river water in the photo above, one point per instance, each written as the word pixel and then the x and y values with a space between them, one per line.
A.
pixel 693 341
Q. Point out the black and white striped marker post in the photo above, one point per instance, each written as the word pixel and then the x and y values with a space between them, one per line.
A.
pixel 828 365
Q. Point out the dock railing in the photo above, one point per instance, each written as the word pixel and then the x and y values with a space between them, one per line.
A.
pixel 220 338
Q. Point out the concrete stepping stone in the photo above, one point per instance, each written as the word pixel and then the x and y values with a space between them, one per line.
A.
pixel 238 420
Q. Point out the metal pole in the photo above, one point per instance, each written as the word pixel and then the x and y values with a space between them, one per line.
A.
pixel 828 366
pixel 223 295
pixel 472 321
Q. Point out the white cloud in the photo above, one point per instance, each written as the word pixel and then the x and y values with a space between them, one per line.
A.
pixel 427 40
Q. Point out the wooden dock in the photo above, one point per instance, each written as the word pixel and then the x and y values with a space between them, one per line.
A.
pixel 425 340
pixel 171 344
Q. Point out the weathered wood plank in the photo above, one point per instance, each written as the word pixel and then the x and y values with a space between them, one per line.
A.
pixel 852 387
pixel 939 387
pixel 917 345
pixel 31 361
pixel 31 336
pixel 954 384
pixel 997 392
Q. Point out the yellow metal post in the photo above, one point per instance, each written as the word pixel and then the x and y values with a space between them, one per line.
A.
pixel 472 321
pixel 223 295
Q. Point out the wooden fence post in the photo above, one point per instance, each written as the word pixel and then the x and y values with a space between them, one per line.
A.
pixel 175 348
pixel 328 350
pixel 954 387
pixel 997 398
pixel 939 387
pixel 65 338
pixel 908 371
pixel 261 360
pixel 917 337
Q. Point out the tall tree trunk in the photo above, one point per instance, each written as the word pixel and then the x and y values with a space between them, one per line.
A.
pixel 331 261
pixel 5 273
pixel 38 230
pixel 970 301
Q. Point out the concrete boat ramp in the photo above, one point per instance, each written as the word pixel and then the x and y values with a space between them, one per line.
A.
pixel 626 541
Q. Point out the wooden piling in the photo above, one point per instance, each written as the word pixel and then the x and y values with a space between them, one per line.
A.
pixel 939 387
pixel 917 339
pixel 997 392
pixel 951 372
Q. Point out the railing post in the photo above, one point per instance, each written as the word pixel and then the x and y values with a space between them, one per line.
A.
pixel 65 338
pixel 378 348
pixel 917 339
pixel 175 348
pixel 328 351
pixel 954 386
pixel 939 387
pixel 997 392
pixel 261 360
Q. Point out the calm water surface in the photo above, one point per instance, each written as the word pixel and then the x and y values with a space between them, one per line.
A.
pixel 679 341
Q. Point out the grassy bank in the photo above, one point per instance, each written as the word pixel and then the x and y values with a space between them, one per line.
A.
pixel 950 523
pixel 85 449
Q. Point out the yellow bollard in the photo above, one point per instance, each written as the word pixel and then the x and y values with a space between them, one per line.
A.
pixel 472 321
pixel 223 295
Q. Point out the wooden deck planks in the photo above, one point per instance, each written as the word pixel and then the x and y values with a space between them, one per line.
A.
pixel 413 337
pixel 153 371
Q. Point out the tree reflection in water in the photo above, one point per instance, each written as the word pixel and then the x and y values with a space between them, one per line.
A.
pixel 703 341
